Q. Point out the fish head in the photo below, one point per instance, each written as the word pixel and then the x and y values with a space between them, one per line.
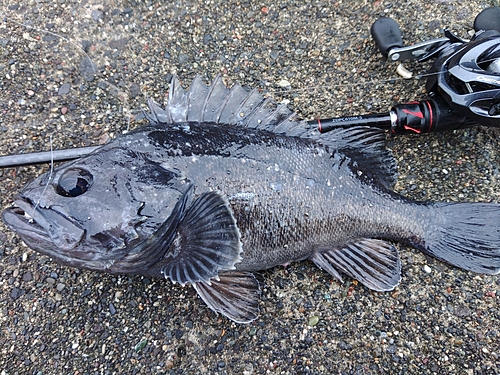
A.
pixel 92 212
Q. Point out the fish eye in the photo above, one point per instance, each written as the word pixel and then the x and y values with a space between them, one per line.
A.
pixel 74 182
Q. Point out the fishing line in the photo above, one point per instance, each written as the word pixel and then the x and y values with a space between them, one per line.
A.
pixel 51 173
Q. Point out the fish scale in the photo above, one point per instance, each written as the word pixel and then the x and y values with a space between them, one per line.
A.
pixel 224 183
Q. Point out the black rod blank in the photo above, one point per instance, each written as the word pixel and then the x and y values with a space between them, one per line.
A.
pixel 45 156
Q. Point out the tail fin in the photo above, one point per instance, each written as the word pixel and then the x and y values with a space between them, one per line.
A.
pixel 466 235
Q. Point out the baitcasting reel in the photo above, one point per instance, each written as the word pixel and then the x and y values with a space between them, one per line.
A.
pixel 464 84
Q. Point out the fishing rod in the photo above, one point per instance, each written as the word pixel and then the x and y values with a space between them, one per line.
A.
pixel 463 87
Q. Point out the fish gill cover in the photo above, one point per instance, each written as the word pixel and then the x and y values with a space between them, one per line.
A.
pixel 318 58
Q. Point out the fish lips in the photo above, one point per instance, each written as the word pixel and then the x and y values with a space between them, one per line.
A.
pixel 42 228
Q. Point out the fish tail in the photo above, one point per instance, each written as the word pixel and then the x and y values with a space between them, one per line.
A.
pixel 466 235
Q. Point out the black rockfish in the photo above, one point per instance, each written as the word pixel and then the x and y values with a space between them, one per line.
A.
pixel 224 183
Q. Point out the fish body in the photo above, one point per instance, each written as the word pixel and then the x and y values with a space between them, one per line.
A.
pixel 224 183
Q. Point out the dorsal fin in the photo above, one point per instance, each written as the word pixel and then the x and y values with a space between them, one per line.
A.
pixel 366 148
pixel 220 105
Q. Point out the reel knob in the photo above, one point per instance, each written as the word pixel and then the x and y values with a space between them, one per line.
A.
pixel 488 19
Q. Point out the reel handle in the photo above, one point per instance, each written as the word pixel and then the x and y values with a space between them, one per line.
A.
pixel 387 34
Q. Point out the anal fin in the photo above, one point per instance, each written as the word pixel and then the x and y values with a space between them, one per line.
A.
pixel 234 294
pixel 375 263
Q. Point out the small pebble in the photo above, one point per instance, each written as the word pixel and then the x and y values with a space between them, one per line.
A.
pixel 183 58
pixel 427 269
pixel 141 345
pixel 313 320
pixel 64 89
pixel 284 83
pixel 96 15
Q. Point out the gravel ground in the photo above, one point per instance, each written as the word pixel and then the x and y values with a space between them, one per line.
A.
pixel 319 57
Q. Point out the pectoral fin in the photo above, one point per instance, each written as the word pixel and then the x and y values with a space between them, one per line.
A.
pixel 375 263
pixel 207 242
pixel 235 294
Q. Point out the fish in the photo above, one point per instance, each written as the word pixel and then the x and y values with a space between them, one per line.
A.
pixel 223 183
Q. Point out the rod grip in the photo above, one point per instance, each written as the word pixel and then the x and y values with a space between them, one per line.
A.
pixel 382 121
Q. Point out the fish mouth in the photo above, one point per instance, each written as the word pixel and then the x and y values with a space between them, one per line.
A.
pixel 42 228
pixel 23 223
